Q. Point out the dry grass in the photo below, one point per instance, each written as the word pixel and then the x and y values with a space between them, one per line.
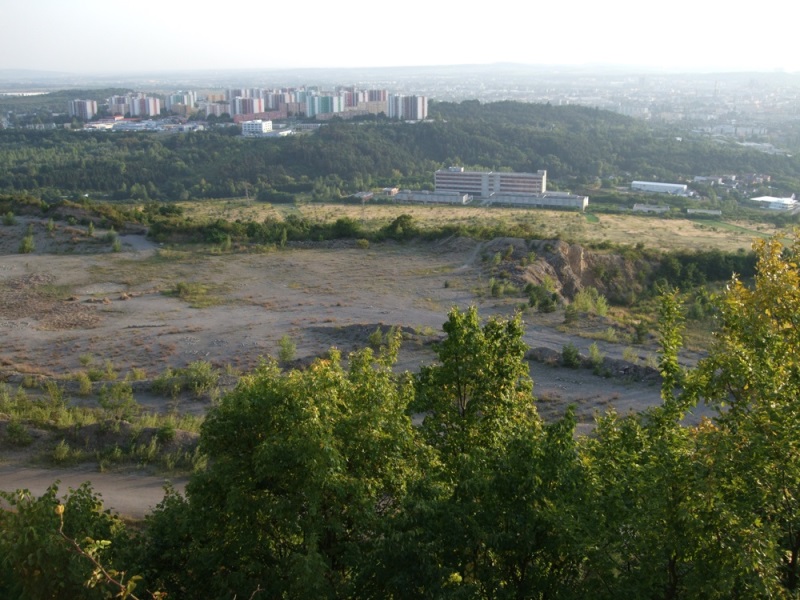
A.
pixel 652 231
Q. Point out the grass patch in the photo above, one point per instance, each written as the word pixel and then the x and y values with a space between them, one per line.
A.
pixel 590 218
pixel 197 295
pixel 731 227
pixel 199 378
pixel 51 291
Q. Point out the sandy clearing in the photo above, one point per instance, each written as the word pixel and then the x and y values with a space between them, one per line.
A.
pixel 321 296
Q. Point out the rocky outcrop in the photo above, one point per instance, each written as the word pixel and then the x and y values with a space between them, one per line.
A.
pixel 569 268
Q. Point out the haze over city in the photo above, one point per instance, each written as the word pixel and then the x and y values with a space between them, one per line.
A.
pixel 94 37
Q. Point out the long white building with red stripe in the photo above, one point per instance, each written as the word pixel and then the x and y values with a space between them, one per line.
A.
pixel 484 184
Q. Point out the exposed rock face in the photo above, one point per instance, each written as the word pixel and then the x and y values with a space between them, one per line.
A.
pixel 569 268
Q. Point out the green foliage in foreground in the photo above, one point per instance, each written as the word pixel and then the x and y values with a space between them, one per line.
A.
pixel 318 485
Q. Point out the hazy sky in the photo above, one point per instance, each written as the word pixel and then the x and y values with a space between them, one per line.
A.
pixel 94 36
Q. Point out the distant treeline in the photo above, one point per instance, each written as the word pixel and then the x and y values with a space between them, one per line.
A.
pixel 576 145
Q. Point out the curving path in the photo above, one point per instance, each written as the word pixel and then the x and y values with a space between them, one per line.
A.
pixel 130 495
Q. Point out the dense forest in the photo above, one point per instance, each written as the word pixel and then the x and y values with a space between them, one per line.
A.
pixel 578 146
pixel 319 486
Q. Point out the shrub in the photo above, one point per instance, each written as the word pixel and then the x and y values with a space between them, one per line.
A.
pixel 109 373
pixel 137 374
pixel 540 298
pixel 166 384
pixel 27 245
pixel 117 399
pixel 640 332
pixel 630 355
pixel 63 453
pixel 595 355
pixel 9 219
pixel 376 338
pixel 199 377
pixel 166 433
pixel 287 349
pixel 591 301
pixel 84 383
pixel 570 314
pixel 601 306
pixel 17 434
pixel 362 243
pixel 609 335
pixel 570 357
pixel 95 374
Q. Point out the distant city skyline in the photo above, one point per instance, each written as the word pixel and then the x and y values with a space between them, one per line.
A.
pixel 94 37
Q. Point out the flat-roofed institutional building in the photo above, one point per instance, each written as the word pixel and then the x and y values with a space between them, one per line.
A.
pixel 484 184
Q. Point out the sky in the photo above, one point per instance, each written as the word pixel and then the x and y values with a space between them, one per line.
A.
pixel 103 37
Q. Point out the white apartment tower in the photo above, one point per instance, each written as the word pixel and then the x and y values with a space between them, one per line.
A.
pixel 407 108
pixel 82 109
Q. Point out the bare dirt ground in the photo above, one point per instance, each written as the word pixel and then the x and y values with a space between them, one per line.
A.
pixel 73 297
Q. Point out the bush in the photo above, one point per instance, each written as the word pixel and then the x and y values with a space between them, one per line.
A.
pixel 166 433
pixel 9 219
pixel 376 338
pixel 118 400
pixel 595 356
pixel 570 357
pixel 199 377
pixel 136 374
pixel 84 383
pixel 287 349
pixel 17 434
pixel 640 332
pixel 63 454
pixel 630 355
pixel 591 301
pixel 570 314
pixel 27 245
pixel 541 298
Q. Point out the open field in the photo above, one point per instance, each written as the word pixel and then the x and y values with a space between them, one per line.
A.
pixel 652 231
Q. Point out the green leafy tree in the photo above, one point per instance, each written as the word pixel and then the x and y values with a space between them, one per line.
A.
pixel 494 518
pixel 752 375
pixel 304 467
pixel 480 390
pixel 51 547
